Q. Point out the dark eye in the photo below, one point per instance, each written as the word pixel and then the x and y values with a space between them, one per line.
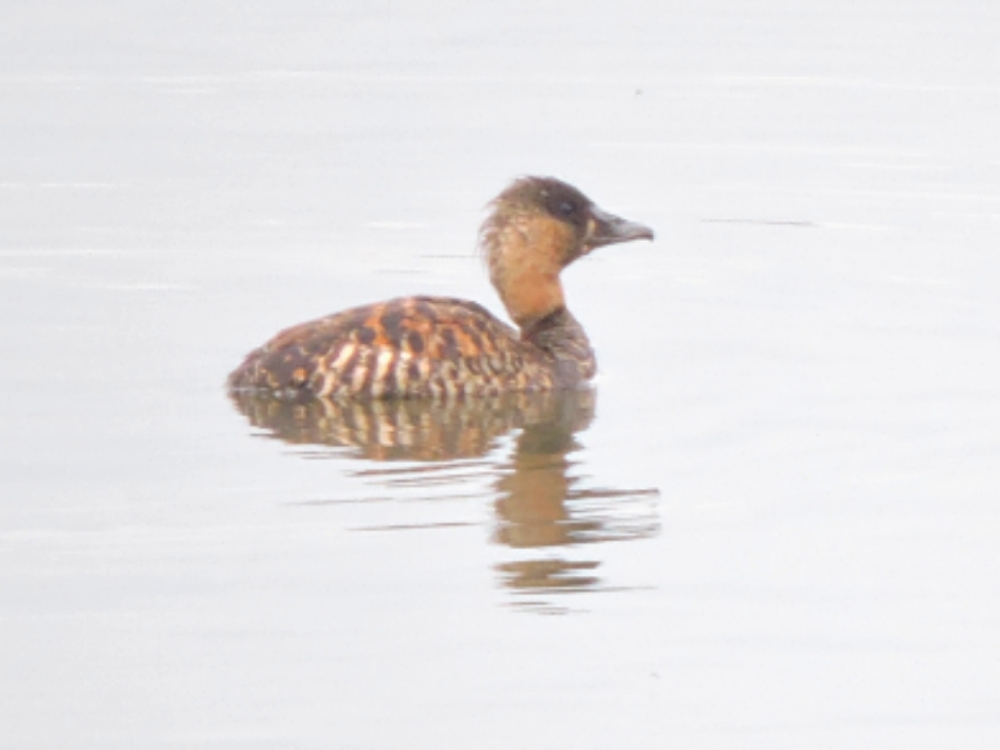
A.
pixel 565 204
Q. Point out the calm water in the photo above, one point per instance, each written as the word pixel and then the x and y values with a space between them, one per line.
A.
pixel 773 523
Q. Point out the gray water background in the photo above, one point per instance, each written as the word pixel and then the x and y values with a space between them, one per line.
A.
pixel 799 378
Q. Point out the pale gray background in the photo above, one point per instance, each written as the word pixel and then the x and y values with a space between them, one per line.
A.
pixel 805 364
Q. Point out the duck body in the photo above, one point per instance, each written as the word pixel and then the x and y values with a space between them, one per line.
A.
pixel 417 347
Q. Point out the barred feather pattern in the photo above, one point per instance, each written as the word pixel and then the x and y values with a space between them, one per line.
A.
pixel 416 347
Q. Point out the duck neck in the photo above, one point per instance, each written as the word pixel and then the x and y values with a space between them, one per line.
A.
pixel 525 253
pixel 561 336
pixel 532 295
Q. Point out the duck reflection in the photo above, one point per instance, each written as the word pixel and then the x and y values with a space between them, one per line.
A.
pixel 545 505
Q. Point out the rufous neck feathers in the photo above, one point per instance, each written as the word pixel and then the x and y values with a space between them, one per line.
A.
pixel 526 253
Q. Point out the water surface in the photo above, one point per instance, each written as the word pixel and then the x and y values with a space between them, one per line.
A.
pixel 772 524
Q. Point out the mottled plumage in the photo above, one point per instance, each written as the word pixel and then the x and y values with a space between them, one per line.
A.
pixel 442 347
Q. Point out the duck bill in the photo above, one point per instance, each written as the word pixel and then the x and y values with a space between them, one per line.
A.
pixel 608 229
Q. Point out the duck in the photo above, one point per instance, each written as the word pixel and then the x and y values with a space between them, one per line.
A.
pixel 443 347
